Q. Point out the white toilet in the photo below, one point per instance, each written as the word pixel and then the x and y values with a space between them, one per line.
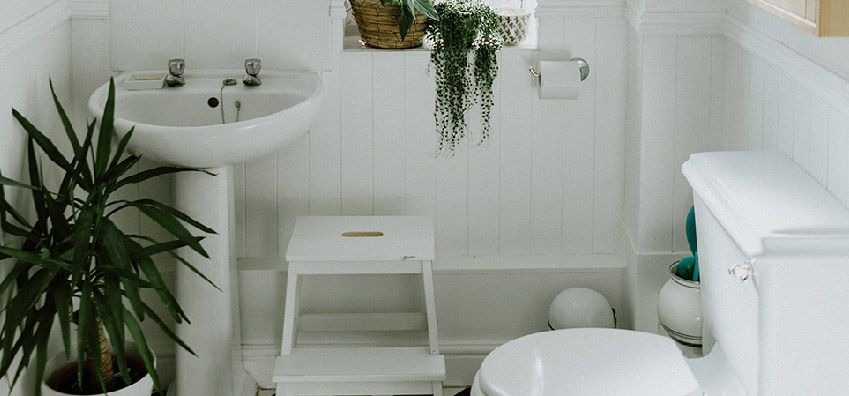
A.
pixel 774 262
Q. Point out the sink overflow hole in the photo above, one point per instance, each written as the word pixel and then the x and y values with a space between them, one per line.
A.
pixel 213 102
pixel 361 234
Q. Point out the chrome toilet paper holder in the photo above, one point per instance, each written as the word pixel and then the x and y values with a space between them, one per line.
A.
pixel 583 66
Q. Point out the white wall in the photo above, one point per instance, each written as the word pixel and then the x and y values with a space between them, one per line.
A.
pixel 35 46
pixel 791 95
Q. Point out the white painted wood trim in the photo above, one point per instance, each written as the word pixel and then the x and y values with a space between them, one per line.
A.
pixel 675 23
pixel 32 28
pixel 486 264
pixel 601 8
pixel 827 85
pixel 89 9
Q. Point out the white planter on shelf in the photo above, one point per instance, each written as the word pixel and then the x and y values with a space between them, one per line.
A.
pixel 58 364
pixel 679 309
pixel 513 23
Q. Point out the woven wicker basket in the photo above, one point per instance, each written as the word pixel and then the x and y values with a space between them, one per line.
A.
pixel 378 25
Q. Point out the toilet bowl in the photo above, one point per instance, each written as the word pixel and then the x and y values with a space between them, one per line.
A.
pixel 774 261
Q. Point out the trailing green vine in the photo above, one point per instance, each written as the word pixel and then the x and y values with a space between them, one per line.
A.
pixel 464 27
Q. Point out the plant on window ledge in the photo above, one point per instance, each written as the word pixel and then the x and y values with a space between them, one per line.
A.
pixel 71 254
pixel 392 24
pixel 463 80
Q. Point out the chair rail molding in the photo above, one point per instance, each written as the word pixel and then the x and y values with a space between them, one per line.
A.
pixel 89 9
pixel 828 85
pixel 30 29
pixel 650 23
pixel 592 8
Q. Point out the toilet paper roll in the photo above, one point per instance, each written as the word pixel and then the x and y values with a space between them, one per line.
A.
pixel 559 79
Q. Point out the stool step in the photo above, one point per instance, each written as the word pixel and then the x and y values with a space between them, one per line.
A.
pixel 390 321
pixel 326 365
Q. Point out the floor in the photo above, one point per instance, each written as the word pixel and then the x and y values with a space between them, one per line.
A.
pixel 448 391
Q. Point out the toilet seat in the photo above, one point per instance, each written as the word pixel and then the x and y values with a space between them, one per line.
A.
pixel 587 362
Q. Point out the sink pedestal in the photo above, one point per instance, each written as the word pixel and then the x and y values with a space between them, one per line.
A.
pixel 214 333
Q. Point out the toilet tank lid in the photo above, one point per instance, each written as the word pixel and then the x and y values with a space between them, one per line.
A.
pixel 768 204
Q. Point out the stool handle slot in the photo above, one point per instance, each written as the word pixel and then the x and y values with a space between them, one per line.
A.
pixel 362 234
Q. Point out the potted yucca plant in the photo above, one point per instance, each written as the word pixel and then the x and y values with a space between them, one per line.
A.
pixel 75 267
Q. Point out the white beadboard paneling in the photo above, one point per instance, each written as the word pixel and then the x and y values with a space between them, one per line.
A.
pixel 770 123
pixel 483 192
pixel 786 99
pixel 551 32
pixel 756 103
pixel 736 136
pixel 145 34
pixel 420 138
pixel 389 122
pixel 219 34
pixel 357 138
pixel 293 170
pixel 819 140
pixel 802 127
pixel 656 192
pixel 717 88
pixel 692 120
pixel 294 34
pixel 325 142
pixel 451 187
pixel 838 131
pixel 578 145
pixel 547 176
pixel 516 134
pixel 608 179
pixel 261 207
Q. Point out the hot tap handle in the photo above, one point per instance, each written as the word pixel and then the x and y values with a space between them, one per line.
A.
pixel 253 66
pixel 176 66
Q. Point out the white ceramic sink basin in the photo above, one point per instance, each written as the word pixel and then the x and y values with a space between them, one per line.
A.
pixel 180 126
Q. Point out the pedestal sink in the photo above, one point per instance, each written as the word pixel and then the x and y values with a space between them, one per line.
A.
pixel 209 124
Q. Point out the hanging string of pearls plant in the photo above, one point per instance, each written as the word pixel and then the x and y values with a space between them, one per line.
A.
pixel 464 43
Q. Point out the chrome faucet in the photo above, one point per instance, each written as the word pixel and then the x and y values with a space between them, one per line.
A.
pixel 175 78
pixel 252 69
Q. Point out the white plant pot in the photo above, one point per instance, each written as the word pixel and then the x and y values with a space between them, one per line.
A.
pixel 514 24
pixel 58 364
pixel 679 309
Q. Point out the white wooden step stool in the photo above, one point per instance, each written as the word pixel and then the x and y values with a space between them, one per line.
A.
pixel 332 245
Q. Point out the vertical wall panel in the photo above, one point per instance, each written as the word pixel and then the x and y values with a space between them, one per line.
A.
pixel 819 140
pixel 148 45
pixel 692 123
pixel 717 88
pixel 261 207
pixel 389 125
pixel 325 139
pixel 357 139
pixel 656 192
pixel 737 114
pixel 786 100
pixel 293 186
pixel 608 188
pixel 756 103
pixel 516 153
pixel 546 152
pixel 578 145
pixel 802 127
pixel 770 123
pixel 219 34
pixel 484 195
pixel 280 23
pixel 420 136
pixel 838 131
pixel 451 194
